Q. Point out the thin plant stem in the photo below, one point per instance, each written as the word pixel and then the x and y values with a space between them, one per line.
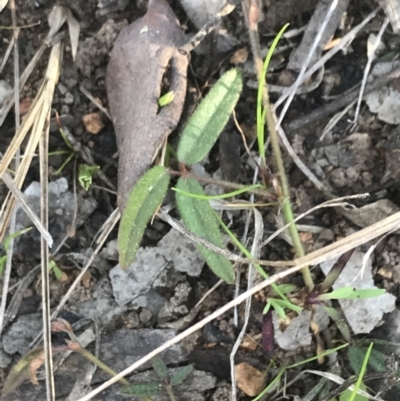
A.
pixel 226 184
pixel 284 195
pixel 101 365
pixel 170 392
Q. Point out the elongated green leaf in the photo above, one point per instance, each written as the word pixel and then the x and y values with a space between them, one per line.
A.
pixel 199 217
pixel 160 367
pixel 337 316
pixel 210 118
pixel 352 293
pixel 180 375
pixel 278 308
pixel 142 389
pixel 142 203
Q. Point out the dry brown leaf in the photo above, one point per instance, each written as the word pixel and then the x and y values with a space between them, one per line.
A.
pixel 60 14
pixel 93 123
pixel 240 56
pixel 139 59
pixel 250 380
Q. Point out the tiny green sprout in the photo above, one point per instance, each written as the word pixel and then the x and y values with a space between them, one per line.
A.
pixel 166 99
pixel 56 270
pixel 168 379
pixel 85 175
pixel 6 246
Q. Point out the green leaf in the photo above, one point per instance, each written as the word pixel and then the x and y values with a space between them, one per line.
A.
pixel 338 317
pixel 352 293
pixel 360 377
pixel 142 389
pixel 199 217
pixel 57 271
pixel 180 375
pixel 287 288
pixel 85 175
pixel 142 203
pixel 376 361
pixel 160 367
pixel 166 99
pixel 289 305
pixel 278 308
pixel 210 118
pixel 365 293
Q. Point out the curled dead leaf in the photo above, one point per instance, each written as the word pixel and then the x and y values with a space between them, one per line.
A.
pixel 141 55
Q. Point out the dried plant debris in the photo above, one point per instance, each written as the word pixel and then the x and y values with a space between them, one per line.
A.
pixel 371 213
pixel 392 11
pixel 385 101
pixel 109 6
pixel 299 56
pixel 146 270
pixel 6 92
pixel 139 60
pixel 296 333
pixel 250 380
pixel 392 155
pixel 93 50
pixel 62 205
pixel 202 11
pixel 363 315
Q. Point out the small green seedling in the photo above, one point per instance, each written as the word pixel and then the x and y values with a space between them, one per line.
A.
pixel 85 175
pixel 166 99
pixel 363 370
pixel 70 152
pixel 198 137
pixel 56 270
pixel 6 246
pixel 167 381
pixel 260 111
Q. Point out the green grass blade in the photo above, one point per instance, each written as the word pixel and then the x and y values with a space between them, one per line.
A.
pixel 199 218
pixel 362 373
pixel 260 111
pixel 210 118
pixel 142 203
pixel 223 196
pixel 243 249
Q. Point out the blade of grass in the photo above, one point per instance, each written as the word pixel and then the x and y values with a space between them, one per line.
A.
pixel 303 362
pixel 284 195
pixel 248 254
pixel 215 197
pixel 362 373
pixel 260 110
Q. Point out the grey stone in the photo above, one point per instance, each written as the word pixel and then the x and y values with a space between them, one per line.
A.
pixel 22 333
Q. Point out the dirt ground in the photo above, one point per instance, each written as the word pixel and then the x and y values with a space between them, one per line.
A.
pixel 349 161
